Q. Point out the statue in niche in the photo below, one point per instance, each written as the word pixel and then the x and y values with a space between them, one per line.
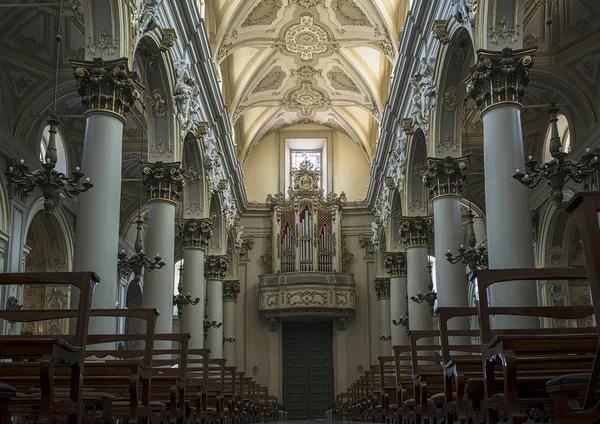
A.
pixel 374 234
pixel 185 96
pixel 148 19
pixel 464 11
pixel 423 100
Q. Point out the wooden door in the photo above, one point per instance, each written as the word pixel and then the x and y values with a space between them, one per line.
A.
pixel 307 369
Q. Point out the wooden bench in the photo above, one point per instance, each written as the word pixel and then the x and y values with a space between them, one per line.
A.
pixel 50 352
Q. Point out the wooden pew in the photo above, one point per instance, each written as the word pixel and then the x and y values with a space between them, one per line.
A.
pixel 565 389
pixel 389 394
pixel 554 354
pixel 51 352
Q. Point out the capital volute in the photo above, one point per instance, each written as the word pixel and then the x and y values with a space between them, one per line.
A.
pixel 395 263
pixel 215 267
pixel 231 290
pixel 196 232
pixel 500 77
pixel 163 181
pixel 445 176
pixel 415 230
pixel 107 85
pixel 382 288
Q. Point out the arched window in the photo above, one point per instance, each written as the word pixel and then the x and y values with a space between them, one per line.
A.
pixel 61 156
pixel 565 137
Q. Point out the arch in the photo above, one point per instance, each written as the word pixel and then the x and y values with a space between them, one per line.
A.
pixel 415 199
pixel 218 240
pixel 232 255
pixel 447 123
pixel 394 241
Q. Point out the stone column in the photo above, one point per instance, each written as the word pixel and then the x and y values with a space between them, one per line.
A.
pixel 195 234
pixel 395 263
pixel 164 182
pixel 215 268
pixel 108 89
pixel 382 288
pixel 231 289
pixel 444 179
pixel 415 232
pixel 498 85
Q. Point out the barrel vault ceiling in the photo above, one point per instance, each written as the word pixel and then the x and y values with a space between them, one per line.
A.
pixel 287 62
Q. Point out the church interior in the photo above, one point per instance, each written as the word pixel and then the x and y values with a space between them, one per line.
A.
pixel 243 211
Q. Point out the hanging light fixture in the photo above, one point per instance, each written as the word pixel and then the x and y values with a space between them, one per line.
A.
pixel 560 169
pixel 52 182
pixel 474 258
pixel 138 262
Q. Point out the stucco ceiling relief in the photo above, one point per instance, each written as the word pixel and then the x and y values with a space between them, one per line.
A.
pixel 307 39
pixel 308 3
pixel 306 99
pixel 341 81
pixel 588 67
pixel 349 14
pixel 22 81
pixel 307 71
pixel 271 81
pixel 264 13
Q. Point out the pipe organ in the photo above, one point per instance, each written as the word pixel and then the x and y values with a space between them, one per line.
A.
pixel 306 225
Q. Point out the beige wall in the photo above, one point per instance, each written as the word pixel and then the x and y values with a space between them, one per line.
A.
pixel 263 168
pixel 258 347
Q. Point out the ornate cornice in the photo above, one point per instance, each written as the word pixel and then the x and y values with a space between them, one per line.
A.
pixel 395 263
pixel 231 289
pixel 415 230
pixel 215 267
pixel 445 176
pixel 196 232
pixel 163 181
pixel 107 85
pixel 500 77
pixel 382 288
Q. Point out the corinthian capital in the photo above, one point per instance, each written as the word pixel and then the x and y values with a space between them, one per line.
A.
pixel 382 288
pixel 107 85
pixel 163 181
pixel 196 232
pixel 416 230
pixel 395 263
pixel 445 176
pixel 500 77
pixel 231 289
pixel 215 267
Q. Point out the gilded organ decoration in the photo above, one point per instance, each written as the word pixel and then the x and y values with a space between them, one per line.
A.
pixel 306 225
pixel 306 266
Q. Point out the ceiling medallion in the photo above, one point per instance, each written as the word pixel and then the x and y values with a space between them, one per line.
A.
pixel 306 39
pixel 306 99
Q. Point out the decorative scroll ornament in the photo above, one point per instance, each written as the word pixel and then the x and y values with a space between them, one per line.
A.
pixel 231 290
pixel 383 209
pixel 403 321
pixel 366 243
pixel 163 181
pixel 500 77
pixel 504 32
pixel 440 31
pixel 445 176
pixel 196 232
pixel 229 209
pixel 382 288
pixel 395 263
pixel 107 85
pixel 416 230
pixel 145 16
pixel 424 92
pixel 158 102
pixel 215 267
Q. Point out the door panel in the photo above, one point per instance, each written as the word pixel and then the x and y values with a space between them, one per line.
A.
pixel 307 369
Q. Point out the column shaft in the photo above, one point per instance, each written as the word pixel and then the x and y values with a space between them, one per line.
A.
pixel 385 323
pixel 398 309
pixel 97 228
pixel 214 292
pixel 498 84
pixel 451 279
pixel 192 316
pixel 419 314
pixel 229 331
pixel 158 284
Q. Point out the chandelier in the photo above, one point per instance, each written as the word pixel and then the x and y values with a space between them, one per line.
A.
pixel 182 300
pixel 52 182
pixel 431 296
pixel 560 169
pixel 403 321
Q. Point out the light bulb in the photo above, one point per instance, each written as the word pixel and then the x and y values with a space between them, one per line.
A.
pixel 530 158
pixel 77 169
pixel 526 176
pixel 449 251
pixel 87 180
pixel 22 161
pixel 518 171
pixel 157 255
pixel 588 150
pixel 11 169
pixel 462 246
pixel 48 160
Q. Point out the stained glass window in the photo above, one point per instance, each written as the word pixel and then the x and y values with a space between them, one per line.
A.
pixel 299 156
